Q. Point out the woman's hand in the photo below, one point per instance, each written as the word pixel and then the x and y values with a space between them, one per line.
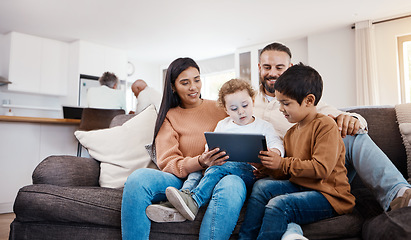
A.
pixel 212 157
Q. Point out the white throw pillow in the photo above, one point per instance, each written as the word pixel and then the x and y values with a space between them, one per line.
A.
pixel 121 149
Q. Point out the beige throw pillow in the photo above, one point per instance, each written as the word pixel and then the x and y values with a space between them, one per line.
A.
pixel 405 129
pixel 121 149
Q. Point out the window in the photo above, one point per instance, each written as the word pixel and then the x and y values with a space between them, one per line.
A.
pixel 404 54
pixel 212 83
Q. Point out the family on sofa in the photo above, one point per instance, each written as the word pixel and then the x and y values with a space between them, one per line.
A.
pixel 180 148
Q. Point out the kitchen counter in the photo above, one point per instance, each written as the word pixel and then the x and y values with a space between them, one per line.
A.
pixel 25 142
pixel 4 118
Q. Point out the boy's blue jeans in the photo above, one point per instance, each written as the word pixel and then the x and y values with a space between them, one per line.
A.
pixel 376 170
pixel 274 204
pixel 145 186
pixel 202 193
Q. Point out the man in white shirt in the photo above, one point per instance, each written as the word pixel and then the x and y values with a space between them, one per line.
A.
pixel 145 96
pixel 106 96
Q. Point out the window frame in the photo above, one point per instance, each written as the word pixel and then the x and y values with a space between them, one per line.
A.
pixel 400 43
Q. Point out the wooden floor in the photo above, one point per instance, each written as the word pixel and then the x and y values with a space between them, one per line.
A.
pixel 5 220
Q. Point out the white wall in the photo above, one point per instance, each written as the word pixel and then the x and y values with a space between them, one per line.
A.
pixel 387 58
pixel 299 50
pixel 146 71
pixel 332 54
pixel 2 57
pixel 217 64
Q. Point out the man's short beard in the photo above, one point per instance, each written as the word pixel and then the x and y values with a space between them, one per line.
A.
pixel 268 88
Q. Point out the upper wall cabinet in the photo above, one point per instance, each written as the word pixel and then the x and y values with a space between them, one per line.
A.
pixel 36 65
pixel 96 59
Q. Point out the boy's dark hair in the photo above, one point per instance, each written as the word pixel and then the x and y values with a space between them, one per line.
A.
pixel 299 81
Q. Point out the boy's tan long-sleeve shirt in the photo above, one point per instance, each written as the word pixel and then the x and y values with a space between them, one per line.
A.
pixel 318 161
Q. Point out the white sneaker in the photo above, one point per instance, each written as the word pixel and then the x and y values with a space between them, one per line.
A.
pixel 164 212
pixel 294 236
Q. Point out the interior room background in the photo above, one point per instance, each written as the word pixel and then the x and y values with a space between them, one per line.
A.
pixel 331 52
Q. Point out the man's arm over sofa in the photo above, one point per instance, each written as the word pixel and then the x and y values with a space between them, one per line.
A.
pixel 67 171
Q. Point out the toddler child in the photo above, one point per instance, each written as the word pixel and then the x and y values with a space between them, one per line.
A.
pixel 318 186
pixel 236 96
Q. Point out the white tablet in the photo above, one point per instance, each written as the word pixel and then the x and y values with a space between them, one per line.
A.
pixel 241 147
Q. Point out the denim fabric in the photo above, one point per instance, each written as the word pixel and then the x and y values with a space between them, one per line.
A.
pixel 274 204
pixel 145 186
pixel 224 208
pixel 202 193
pixel 192 180
pixel 376 170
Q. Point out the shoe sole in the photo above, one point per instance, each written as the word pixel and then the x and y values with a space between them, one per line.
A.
pixel 173 196
pixel 161 214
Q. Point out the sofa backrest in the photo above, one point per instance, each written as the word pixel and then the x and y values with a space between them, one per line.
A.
pixel 120 119
pixel 383 130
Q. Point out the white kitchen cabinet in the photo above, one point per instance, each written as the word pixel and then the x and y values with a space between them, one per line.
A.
pixel 24 63
pixel 91 59
pixel 54 67
pixel 96 59
pixel 37 65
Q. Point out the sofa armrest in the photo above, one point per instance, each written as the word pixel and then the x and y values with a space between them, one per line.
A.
pixel 67 171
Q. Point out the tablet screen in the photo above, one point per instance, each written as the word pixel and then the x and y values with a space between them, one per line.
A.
pixel 240 147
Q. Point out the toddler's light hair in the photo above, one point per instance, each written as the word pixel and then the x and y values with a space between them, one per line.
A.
pixel 233 86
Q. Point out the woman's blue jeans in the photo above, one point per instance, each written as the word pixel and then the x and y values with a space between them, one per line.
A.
pixel 145 186
pixel 274 204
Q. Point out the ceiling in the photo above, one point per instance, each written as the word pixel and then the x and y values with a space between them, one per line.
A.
pixel 160 30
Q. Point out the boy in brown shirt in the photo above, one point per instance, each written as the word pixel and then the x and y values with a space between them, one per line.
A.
pixel 318 186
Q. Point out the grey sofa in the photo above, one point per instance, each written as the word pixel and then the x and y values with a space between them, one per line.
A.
pixel 65 200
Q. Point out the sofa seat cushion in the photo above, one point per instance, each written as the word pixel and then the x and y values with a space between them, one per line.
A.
pixel 336 227
pixel 188 229
pixel 59 231
pixel 332 228
pixel 86 205
pixel 389 225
